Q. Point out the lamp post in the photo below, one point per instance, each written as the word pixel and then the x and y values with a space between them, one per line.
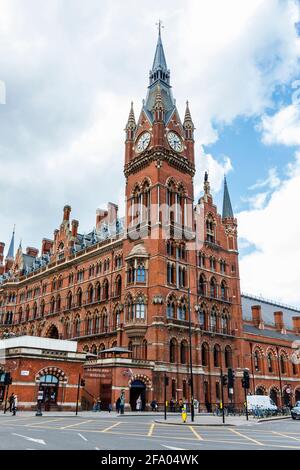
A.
pixel 191 357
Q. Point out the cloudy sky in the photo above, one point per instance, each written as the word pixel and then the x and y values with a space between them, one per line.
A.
pixel 71 69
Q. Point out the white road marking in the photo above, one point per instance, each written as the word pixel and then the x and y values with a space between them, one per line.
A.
pixel 82 437
pixel 38 441
pixel 172 448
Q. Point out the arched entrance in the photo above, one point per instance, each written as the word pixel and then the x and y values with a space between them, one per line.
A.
pixel 297 395
pixel 51 382
pixel 260 391
pixel 287 396
pixel 274 396
pixel 49 388
pixel 53 332
pixel 137 394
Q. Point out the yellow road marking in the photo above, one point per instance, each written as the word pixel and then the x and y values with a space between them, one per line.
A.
pixel 285 435
pixel 44 422
pixel 196 434
pixel 76 424
pixel 111 427
pixel 245 437
pixel 151 430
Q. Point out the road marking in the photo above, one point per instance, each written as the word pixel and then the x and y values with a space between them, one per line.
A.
pixel 76 424
pixel 43 422
pixel 196 434
pixel 285 435
pixel 97 448
pixel 82 437
pixel 172 448
pixel 38 441
pixel 151 430
pixel 245 437
pixel 111 427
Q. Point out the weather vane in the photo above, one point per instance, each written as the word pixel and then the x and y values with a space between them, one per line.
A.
pixel 160 26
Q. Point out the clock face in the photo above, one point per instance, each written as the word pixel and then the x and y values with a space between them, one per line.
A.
pixel 175 141
pixel 143 142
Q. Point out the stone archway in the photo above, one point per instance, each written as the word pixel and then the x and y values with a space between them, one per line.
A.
pixel 52 332
pixel 274 395
pixel 139 386
pixel 50 382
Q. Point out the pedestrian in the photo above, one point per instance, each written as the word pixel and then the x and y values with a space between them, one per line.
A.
pixel 183 413
pixel 172 405
pixel 109 407
pixel 11 402
pixel 15 405
pixel 154 405
pixel 99 404
pixel 118 405
pixel 139 404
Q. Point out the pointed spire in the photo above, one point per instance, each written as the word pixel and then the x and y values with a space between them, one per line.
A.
pixel 11 250
pixel 188 124
pixel 131 124
pixel 159 68
pixel 227 207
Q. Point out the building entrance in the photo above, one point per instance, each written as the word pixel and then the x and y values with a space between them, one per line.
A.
pixel 138 396
pixel 49 387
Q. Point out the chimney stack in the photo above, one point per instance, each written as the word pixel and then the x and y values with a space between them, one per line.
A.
pixel 278 320
pixel 256 315
pixel 296 324
pixel 75 225
pixel 30 251
pixel 67 212
pixel 46 246
pixel 100 216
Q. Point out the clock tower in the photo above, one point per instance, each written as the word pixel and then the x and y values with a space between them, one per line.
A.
pixel 159 170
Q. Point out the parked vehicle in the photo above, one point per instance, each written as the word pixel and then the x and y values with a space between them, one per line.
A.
pixel 295 412
pixel 264 403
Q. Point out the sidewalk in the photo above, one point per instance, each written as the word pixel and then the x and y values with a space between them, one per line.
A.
pixel 202 419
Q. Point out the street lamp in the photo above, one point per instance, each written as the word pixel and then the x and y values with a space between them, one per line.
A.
pixel 191 357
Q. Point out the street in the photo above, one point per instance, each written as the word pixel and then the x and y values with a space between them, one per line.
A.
pixel 140 433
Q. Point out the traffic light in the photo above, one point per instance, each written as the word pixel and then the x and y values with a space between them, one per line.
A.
pixel 246 380
pixel 231 377
pixel 82 383
pixel 224 380
pixel 7 378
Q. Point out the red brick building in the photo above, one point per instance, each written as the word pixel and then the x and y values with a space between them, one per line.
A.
pixel 123 288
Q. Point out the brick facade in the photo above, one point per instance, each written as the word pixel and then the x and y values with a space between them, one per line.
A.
pixel 127 283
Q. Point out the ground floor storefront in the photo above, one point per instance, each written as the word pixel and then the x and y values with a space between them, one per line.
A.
pixel 41 371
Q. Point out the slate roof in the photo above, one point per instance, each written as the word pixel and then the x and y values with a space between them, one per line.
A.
pixel 268 307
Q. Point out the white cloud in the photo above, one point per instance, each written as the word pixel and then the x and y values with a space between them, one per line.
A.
pixel 283 127
pixel 72 68
pixel 272 181
pixel 272 268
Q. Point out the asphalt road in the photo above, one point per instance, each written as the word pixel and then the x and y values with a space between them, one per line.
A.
pixel 133 433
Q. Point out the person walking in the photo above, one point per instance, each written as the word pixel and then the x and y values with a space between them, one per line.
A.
pixel 15 405
pixel 11 402
pixel 109 407
pixel 118 405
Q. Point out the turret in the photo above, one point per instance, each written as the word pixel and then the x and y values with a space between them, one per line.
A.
pixel 189 128
pixel 130 134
